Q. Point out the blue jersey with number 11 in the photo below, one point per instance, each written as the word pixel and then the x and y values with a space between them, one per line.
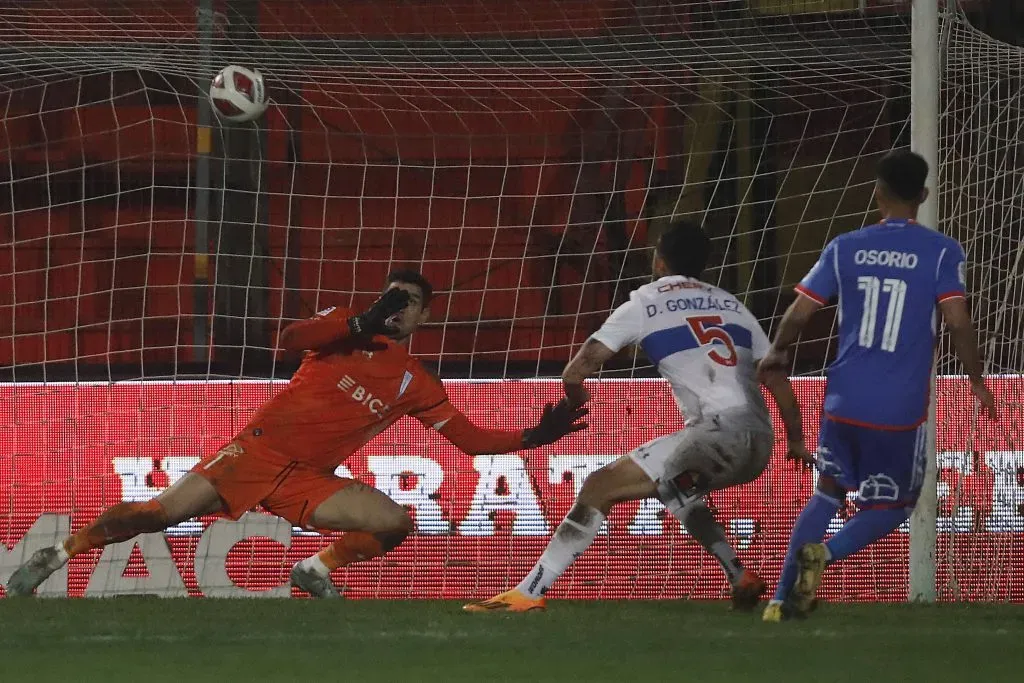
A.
pixel 888 279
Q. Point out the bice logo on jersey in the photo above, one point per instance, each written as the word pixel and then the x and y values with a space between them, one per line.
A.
pixel 358 393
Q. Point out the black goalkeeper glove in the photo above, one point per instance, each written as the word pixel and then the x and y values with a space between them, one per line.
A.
pixel 555 422
pixel 374 320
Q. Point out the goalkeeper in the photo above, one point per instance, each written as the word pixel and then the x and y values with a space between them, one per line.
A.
pixel 356 379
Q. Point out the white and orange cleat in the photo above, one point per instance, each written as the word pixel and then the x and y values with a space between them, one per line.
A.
pixel 746 593
pixel 509 601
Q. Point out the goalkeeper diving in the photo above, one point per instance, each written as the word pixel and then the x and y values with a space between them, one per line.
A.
pixel 356 379
pixel 707 345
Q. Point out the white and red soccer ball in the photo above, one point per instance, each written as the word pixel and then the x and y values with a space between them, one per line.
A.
pixel 238 94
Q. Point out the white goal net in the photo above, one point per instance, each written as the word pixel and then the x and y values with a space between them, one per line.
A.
pixel 524 156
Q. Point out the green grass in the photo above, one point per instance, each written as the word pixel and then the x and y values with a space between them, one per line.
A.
pixel 187 641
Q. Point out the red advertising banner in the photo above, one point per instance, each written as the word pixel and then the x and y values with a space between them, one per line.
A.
pixel 69 450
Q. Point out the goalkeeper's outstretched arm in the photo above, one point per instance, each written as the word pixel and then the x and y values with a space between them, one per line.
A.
pixel 555 422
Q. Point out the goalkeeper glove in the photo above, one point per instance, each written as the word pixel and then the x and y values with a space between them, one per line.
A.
pixel 555 422
pixel 375 319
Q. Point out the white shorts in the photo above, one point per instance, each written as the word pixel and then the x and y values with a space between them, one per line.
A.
pixel 721 452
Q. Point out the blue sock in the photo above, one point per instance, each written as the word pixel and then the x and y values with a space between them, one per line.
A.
pixel 810 527
pixel 863 529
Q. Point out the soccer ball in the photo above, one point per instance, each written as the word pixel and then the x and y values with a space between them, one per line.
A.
pixel 237 94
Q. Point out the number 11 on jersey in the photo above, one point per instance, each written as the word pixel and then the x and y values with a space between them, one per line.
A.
pixel 897 291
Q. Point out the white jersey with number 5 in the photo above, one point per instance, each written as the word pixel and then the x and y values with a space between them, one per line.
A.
pixel 704 342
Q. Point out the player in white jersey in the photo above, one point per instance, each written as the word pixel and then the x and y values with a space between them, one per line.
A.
pixel 706 344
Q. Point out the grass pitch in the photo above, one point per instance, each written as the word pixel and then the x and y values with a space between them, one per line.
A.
pixel 188 641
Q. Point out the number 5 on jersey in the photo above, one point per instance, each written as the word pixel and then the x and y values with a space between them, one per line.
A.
pixel 897 291
pixel 708 330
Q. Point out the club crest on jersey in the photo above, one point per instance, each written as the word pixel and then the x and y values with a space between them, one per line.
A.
pixel 361 395
pixel 879 487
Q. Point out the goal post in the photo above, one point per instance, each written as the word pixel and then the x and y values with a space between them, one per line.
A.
pixel 925 72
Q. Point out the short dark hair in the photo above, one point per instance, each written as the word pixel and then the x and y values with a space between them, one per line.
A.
pixel 685 249
pixel 412 277
pixel 903 173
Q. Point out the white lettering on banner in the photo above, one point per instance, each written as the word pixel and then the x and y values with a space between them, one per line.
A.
pixel 504 485
pixel 218 540
pixel 46 531
pixel 743 530
pixel 135 475
pixel 163 580
pixel 388 473
pixel 579 467
pixel 1007 495
pixel 963 517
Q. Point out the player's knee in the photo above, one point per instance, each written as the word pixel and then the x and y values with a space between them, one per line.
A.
pixel 399 522
pixel 399 528
pixel 598 490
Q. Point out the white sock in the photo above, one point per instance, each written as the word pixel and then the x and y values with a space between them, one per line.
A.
pixel 573 536
pixel 727 558
pixel 315 564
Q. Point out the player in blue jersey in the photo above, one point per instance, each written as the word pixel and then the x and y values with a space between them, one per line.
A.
pixel 888 279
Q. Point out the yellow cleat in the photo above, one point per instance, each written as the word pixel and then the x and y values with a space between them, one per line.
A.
pixel 773 613
pixel 812 560
pixel 509 601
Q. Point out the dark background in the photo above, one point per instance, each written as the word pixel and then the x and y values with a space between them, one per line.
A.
pixel 523 156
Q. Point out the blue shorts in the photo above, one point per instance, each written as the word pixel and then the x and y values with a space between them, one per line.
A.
pixel 885 468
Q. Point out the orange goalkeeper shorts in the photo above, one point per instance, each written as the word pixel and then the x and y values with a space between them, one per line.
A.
pixel 246 475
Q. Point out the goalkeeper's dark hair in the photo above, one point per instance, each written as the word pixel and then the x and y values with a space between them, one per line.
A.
pixel 903 174
pixel 685 249
pixel 412 277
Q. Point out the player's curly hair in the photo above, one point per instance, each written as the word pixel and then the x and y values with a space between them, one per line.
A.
pixel 412 277
pixel 685 248
pixel 903 173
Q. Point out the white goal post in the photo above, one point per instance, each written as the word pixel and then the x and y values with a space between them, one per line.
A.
pixel 925 72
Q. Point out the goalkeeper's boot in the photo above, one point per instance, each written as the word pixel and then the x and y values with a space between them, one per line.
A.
pixel 28 576
pixel 509 601
pixel 746 592
pixel 316 585
pixel 811 562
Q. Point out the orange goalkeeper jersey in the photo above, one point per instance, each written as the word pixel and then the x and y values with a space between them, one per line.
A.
pixel 346 391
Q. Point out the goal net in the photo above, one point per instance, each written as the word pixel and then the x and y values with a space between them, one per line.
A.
pixel 525 157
